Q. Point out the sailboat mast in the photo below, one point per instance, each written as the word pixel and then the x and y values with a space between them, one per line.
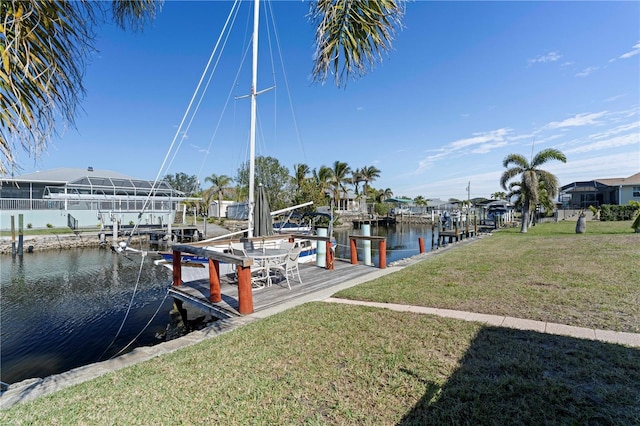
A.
pixel 254 94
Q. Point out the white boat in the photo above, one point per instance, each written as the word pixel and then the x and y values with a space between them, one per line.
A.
pixel 197 267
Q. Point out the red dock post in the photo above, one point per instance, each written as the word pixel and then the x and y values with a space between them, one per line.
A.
pixel 382 248
pixel 354 252
pixel 177 268
pixel 421 244
pixel 215 294
pixel 329 252
pixel 245 294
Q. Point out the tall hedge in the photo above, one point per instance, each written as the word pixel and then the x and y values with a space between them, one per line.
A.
pixel 611 212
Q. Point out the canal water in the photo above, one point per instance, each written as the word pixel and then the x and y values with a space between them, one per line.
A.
pixel 62 309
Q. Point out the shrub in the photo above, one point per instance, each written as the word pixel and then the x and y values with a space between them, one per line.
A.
pixel 49 225
pixel 29 226
pixel 610 212
pixel 131 223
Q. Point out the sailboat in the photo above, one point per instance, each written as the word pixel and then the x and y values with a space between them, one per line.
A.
pixel 196 267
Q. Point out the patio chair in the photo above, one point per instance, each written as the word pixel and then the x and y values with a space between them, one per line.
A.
pixel 290 265
pixel 237 249
pixel 259 275
pixel 286 245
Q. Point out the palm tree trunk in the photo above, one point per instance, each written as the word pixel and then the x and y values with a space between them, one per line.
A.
pixel 525 217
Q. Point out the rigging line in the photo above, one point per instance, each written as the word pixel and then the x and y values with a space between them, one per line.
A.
pixel 268 12
pixel 143 328
pixel 226 104
pixel 286 84
pixel 235 82
pixel 184 117
pixel 228 96
pixel 126 315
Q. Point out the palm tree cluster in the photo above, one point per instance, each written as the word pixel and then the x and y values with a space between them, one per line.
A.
pixel 320 185
pixel 535 187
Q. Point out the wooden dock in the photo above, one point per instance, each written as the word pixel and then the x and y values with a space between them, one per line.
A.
pixel 314 278
pixel 380 221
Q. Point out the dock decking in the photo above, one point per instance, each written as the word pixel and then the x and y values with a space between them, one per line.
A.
pixel 314 278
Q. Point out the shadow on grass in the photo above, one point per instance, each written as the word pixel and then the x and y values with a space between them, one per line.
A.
pixel 524 377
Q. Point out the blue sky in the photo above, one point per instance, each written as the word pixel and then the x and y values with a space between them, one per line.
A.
pixel 466 84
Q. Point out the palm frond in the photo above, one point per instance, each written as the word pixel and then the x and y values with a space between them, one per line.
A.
pixel 352 35
pixel 134 15
pixel 546 155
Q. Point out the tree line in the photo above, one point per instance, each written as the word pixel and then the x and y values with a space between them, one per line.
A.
pixel 535 187
pixel 284 188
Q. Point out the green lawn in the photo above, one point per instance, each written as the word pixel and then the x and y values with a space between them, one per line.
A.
pixel 548 274
pixel 324 363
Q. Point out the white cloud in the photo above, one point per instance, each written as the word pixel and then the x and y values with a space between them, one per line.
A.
pixel 615 142
pixel 634 51
pixel 549 57
pixel 617 130
pixel 586 72
pixel 480 138
pixel 614 98
pixel 482 143
pixel 578 120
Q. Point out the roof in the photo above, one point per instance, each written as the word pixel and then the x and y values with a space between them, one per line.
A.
pixel 398 200
pixel 631 180
pixel 96 180
pixel 593 185
pixel 69 174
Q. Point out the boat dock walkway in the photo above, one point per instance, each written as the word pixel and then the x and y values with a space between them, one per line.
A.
pixel 314 279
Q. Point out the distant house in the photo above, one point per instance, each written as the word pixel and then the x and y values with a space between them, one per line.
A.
pixel 596 192
pixel 76 197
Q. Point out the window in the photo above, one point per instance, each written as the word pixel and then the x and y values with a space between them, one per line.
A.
pixel 636 191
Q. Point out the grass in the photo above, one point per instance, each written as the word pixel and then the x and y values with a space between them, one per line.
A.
pixel 548 274
pixel 45 231
pixel 338 364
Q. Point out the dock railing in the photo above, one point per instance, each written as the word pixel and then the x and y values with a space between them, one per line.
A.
pixel 327 241
pixel 382 248
pixel 245 293
pixel 243 264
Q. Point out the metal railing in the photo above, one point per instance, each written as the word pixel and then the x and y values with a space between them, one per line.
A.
pixel 118 204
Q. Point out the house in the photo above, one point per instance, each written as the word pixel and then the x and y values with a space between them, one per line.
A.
pixel 601 191
pixel 74 197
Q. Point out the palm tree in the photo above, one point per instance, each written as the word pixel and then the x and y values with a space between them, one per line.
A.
pixel 218 185
pixel 322 178
pixel 356 178
pixel 531 177
pixel 384 194
pixel 369 174
pixel 420 200
pixel 300 172
pixel 46 46
pixel 339 179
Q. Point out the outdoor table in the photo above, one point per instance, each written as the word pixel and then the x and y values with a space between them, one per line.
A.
pixel 267 257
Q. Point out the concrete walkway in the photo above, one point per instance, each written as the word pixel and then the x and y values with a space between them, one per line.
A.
pixel 623 338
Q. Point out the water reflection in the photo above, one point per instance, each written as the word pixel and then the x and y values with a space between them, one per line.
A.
pixel 402 241
pixel 60 310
